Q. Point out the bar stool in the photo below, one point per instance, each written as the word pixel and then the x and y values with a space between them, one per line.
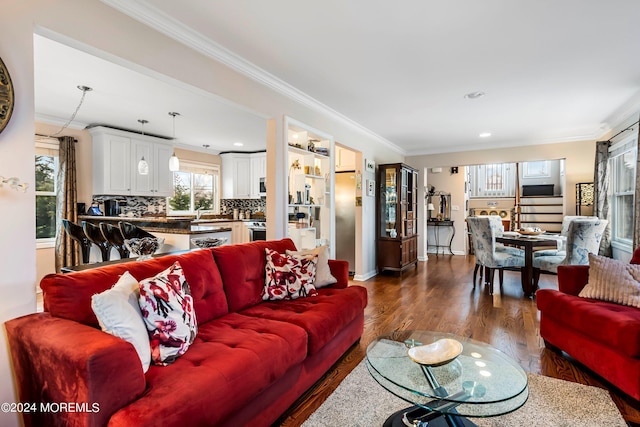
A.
pixel 131 231
pixel 77 233
pixel 95 236
pixel 115 238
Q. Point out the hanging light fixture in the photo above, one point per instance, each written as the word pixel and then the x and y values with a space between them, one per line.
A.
pixel 174 162
pixel 143 166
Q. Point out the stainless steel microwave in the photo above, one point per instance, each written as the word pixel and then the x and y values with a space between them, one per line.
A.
pixel 263 186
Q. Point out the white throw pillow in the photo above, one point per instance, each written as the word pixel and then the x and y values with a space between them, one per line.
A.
pixel 118 313
pixel 613 280
pixel 323 272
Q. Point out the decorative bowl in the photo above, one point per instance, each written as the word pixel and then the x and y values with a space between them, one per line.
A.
pixel 143 247
pixel 208 242
pixel 438 353
pixel 530 232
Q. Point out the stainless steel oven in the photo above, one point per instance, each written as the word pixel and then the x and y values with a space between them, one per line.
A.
pixel 257 230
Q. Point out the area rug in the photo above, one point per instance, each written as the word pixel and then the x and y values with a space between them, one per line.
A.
pixel 359 401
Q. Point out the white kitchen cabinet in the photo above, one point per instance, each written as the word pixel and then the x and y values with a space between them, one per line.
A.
pixel 115 164
pixel 162 176
pixel 241 173
pixel 111 164
pixel 239 231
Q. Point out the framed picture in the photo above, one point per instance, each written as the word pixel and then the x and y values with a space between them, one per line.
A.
pixel 538 169
pixel 369 165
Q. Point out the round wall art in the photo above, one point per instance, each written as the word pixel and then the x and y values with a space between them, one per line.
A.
pixel 6 96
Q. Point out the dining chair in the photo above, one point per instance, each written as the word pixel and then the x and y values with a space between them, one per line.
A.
pixel 76 232
pixel 496 223
pixel 115 238
pixel 583 237
pixel 561 250
pixel 95 236
pixel 484 231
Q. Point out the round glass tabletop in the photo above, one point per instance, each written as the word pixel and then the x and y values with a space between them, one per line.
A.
pixel 480 382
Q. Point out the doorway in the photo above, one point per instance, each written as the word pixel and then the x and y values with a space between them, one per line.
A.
pixel 345 198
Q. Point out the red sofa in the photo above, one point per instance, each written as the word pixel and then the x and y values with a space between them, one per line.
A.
pixel 603 336
pixel 250 361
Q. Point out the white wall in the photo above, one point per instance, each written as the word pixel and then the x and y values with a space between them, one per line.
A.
pixel 579 156
pixel 98 29
pixel 17 218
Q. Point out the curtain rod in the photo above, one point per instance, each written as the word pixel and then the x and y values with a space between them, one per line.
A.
pixel 49 136
pixel 623 130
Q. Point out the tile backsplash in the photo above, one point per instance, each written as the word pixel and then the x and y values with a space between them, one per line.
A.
pixel 137 205
pixel 255 205
pixel 141 205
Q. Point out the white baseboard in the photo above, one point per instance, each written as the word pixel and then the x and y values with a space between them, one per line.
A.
pixel 366 276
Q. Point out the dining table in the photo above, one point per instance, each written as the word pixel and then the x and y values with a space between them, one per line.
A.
pixel 528 243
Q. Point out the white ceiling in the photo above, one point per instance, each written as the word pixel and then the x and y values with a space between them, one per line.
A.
pixel 121 96
pixel 552 70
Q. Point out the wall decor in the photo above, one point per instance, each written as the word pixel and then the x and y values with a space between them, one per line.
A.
pixel 6 96
pixel 369 165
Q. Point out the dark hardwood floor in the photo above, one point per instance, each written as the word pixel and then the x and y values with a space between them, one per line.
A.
pixel 439 296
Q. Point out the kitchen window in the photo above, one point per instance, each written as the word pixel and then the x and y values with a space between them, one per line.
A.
pixel 622 162
pixel 46 173
pixel 196 187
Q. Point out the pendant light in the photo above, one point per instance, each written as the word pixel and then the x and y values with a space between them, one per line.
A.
pixel 174 162
pixel 143 166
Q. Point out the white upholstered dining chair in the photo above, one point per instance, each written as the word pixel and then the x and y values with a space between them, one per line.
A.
pixel 484 231
pixel 583 237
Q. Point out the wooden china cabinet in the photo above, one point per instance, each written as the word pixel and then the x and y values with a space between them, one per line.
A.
pixel 396 216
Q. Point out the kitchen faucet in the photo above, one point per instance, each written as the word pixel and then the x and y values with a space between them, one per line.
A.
pixel 198 213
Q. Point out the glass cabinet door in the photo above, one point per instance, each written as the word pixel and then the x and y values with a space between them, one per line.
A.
pixel 389 202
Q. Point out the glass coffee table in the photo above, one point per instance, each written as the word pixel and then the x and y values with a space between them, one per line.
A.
pixel 480 382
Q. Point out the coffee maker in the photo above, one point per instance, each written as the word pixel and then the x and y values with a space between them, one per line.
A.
pixel 111 207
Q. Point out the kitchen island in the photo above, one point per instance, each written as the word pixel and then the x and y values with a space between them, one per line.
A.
pixel 177 232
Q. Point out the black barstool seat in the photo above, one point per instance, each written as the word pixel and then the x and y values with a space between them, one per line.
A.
pixel 76 232
pixel 115 238
pixel 131 231
pixel 95 236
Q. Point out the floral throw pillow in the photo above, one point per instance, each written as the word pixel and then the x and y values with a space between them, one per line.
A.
pixel 167 309
pixel 289 276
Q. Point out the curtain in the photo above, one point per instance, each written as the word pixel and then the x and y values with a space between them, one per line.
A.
pixel 601 193
pixel 67 251
pixel 636 214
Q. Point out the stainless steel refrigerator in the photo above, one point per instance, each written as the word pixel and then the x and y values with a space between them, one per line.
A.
pixel 346 218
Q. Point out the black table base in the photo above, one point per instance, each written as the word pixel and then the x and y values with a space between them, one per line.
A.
pixel 412 416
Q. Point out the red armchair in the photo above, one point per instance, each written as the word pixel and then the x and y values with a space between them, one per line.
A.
pixel 603 336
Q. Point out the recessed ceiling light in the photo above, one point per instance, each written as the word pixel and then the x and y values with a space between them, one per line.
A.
pixel 475 95
pixel 238 144
pixel 485 135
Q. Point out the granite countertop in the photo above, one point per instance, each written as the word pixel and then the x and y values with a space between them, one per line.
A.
pixel 195 229
pixel 168 224
pixel 137 219
pixel 166 219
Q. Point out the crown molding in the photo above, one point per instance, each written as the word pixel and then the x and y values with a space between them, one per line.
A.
pixel 57 121
pixel 150 16
pixel 497 145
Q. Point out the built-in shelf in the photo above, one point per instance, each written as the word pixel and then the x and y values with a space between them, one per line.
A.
pixel 294 149
pixel 310 182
